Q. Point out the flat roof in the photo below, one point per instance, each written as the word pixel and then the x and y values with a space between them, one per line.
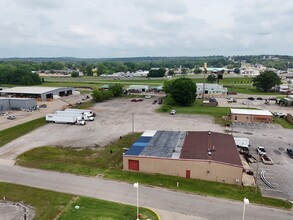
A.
pixel 222 147
pixel 162 144
pixel 31 89
pixel 191 145
pixel 250 112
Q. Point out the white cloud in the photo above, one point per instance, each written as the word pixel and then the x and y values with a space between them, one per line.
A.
pixel 110 28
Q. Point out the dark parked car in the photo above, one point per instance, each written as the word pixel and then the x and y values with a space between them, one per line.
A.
pixel 133 100
pixel 250 98
pixel 290 152
pixel 259 98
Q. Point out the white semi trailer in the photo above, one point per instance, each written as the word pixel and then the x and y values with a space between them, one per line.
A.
pixel 64 119
pixel 83 116
pixel 87 112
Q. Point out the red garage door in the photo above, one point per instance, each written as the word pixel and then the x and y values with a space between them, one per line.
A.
pixel 133 165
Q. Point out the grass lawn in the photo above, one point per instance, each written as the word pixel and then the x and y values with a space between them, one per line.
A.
pixel 12 133
pixel 283 122
pixel 54 205
pixel 102 161
pixel 98 209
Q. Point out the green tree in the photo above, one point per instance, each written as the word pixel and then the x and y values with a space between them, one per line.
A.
pixel 74 74
pixel 89 70
pixel 237 70
pixel 197 71
pixel 211 78
pixel 266 80
pixel 117 89
pixel 183 91
pixel 168 86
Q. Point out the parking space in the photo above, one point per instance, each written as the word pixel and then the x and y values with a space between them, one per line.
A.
pixel 276 140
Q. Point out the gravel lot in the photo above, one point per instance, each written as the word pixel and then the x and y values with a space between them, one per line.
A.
pixel 114 119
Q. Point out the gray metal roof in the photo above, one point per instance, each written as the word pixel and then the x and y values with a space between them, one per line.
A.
pixel 31 89
pixel 163 144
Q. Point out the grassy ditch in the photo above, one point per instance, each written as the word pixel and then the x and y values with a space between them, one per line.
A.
pixel 108 163
pixel 12 133
pixel 53 205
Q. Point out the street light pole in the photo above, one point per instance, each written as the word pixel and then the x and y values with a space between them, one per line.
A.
pixel 204 79
pixel 135 185
pixel 256 176
pixel 246 202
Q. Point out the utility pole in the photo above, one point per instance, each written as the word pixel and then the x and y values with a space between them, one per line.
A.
pixel 204 79
pixel 256 176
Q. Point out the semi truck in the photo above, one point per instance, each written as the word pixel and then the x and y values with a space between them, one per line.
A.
pixel 87 112
pixel 64 119
pixel 83 116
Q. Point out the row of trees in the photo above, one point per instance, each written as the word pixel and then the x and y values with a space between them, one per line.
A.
pixel 18 76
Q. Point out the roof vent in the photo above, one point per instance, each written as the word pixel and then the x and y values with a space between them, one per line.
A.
pixel 209 153
pixel 209 132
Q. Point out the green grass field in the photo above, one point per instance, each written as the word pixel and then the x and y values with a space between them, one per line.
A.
pixel 53 205
pixel 12 133
pixel 103 162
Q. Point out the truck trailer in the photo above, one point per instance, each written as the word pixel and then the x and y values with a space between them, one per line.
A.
pixel 87 112
pixel 242 142
pixel 83 116
pixel 64 119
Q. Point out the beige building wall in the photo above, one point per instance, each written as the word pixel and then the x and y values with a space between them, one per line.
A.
pixel 204 170
pixel 250 118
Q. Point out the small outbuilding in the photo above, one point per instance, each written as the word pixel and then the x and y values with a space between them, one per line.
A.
pixel 201 155
pixel 250 116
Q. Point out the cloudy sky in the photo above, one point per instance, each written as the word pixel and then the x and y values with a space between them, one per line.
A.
pixel 128 28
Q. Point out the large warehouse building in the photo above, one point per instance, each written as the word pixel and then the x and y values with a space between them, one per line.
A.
pixel 201 155
pixel 37 92
pixel 251 116
pixel 17 103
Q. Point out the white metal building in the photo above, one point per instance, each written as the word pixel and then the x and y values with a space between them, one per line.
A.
pixel 210 89
pixel 38 92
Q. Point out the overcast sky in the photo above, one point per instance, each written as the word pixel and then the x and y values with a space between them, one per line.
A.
pixel 128 28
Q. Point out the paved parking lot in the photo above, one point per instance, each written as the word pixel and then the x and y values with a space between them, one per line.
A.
pixel 276 140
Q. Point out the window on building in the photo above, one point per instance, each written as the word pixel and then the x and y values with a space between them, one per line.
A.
pixel 235 118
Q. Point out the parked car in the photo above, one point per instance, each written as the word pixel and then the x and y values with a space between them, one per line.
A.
pixel 261 150
pixel 250 98
pixel 259 98
pixel 147 97
pixel 11 117
pixel 279 114
pixel 290 152
pixel 133 100
pixel 173 112
pixel 266 160
pixel 139 100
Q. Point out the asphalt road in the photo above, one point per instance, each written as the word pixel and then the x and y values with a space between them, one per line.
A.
pixel 201 207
